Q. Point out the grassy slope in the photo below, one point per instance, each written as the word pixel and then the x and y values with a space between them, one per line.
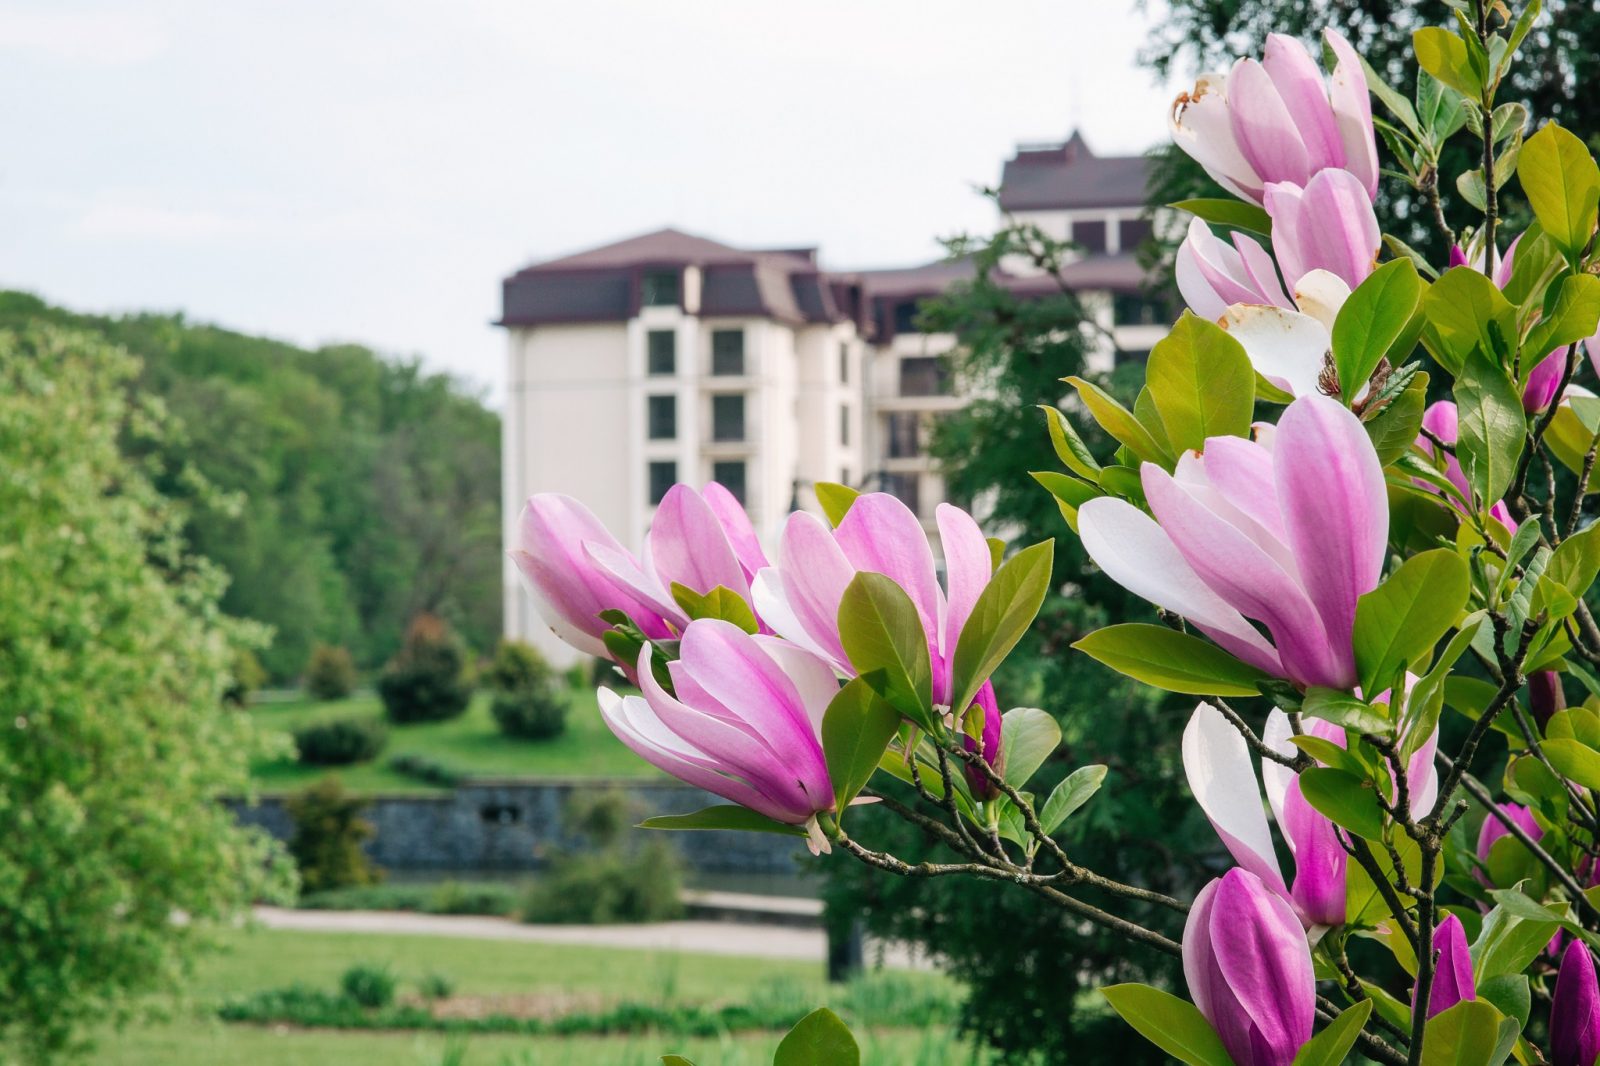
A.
pixel 257 959
pixel 470 745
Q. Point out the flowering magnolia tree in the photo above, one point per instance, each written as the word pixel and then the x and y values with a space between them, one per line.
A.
pixel 1381 602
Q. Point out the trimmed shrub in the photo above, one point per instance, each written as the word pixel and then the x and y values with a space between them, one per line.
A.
pixel 330 673
pixel 429 771
pixel 341 741
pixel 530 701
pixel 428 681
pixel 448 897
pixel 607 881
pixel 369 985
pixel 328 833
pixel 435 986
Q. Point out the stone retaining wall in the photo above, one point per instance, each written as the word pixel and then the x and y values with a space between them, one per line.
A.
pixel 516 825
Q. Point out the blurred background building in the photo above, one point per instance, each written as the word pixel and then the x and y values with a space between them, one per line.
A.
pixel 672 357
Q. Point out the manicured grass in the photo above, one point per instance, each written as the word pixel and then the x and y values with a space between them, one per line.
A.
pixel 470 745
pixel 252 960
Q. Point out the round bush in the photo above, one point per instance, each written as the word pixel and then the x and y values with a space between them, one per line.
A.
pixel 330 673
pixel 369 985
pixel 535 714
pixel 341 741
pixel 428 680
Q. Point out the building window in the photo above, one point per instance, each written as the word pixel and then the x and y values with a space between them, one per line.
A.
pixel 844 364
pixel 663 475
pixel 1141 355
pixel 731 477
pixel 905 435
pixel 844 425
pixel 662 417
pixel 1133 232
pixel 663 351
pixel 727 417
pixel 659 289
pixel 907 489
pixel 1136 309
pixel 1090 235
pixel 905 316
pixel 727 352
pixel 923 375
pixel 844 475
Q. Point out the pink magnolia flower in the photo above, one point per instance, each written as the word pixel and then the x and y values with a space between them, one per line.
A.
pixel 800 597
pixel 1575 1010
pixel 1277 120
pixel 1493 830
pixel 1442 420
pixel 1452 971
pixel 1217 762
pixel 1248 968
pixel 1326 223
pixel 1288 531
pixel 576 569
pixel 743 723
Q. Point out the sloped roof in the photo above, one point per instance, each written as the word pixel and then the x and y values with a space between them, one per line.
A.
pixel 1069 176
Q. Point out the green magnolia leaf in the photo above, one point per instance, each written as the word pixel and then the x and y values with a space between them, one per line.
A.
pixel 1492 427
pixel 1121 424
pixel 1343 709
pixel 1471 186
pixel 1202 383
pixel 1174 1025
pixel 1395 427
pixel 1562 184
pixel 818 1039
pixel 1576 562
pixel 1471 1033
pixel 1574 430
pixel 883 636
pixel 1400 621
pixel 835 500
pixel 1235 213
pixel 1572 319
pixel 1070 449
pixel 1171 660
pixel 722 816
pixel 1514 933
pixel 1426 699
pixel 1446 56
pixel 1381 319
pixel 1345 799
pixel 1027 738
pixel 1575 760
pixel 1003 612
pixel 1329 1047
pixel 1070 493
pixel 1465 311
pixel 1073 792
pixel 1144 409
pixel 675 1060
pixel 856 730
pixel 721 602
pixel 1510 995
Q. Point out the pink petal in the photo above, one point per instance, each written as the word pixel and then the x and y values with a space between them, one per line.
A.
pixel 1352 108
pixel 1263 128
pixel 880 535
pixel 1262 955
pixel 815 574
pixel 1261 270
pixel 968 567
pixel 688 545
pixel 1299 83
pixel 736 524
pixel 1200 124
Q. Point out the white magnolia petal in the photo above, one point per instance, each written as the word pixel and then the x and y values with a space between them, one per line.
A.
pixel 1320 294
pixel 772 606
pixel 1285 347
pixel 1275 777
pixel 1216 760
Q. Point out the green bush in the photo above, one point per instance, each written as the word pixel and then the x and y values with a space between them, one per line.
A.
pixel 328 833
pixel 369 985
pixel 435 986
pixel 448 897
pixel 430 771
pixel 530 699
pixel 115 657
pixel 606 881
pixel 330 672
pixel 341 741
pixel 428 681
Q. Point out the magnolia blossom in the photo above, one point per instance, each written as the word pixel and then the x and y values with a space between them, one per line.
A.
pixel 800 597
pixel 1223 780
pixel 743 721
pixel 1248 968
pixel 1575 1010
pixel 1327 224
pixel 1288 531
pixel 576 569
pixel 1545 695
pixel 1493 829
pixel 1442 421
pixel 1452 968
pixel 1277 120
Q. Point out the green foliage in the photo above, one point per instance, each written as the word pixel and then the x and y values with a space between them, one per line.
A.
pixel 1168 659
pixel 818 1039
pixel 245 677
pixel 330 672
pixel 328 833
pixel 348 491
pixel 372 986
pixel 882 633
pixel 1174 1025
pixel 116 745
pixel 530 699
pixel 856 728
pixel 1202 384
pixel 424 769
pixel 340 741
pixel 435 986
pixel 428 680
pixel 607 876
pixel 496 898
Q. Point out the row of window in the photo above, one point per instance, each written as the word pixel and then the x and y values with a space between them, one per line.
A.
pixel 727 418
pixel 663 474
pixel 727 352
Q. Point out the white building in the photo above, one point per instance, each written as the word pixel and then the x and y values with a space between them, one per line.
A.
pixel 669 357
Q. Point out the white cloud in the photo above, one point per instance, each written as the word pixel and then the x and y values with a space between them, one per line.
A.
pixel 95 38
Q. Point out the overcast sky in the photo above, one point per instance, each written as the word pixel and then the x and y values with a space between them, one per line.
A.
pixel 369 171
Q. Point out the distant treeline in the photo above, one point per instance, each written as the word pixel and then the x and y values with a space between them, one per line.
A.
pixel 343 492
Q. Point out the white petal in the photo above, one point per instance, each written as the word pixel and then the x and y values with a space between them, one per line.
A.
pixel 1320 294
pixel 772 606
pixel 1216 761
pixel 1286 347
pixel 1275 776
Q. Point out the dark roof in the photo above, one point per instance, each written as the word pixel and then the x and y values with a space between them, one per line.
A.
pixel 1045 177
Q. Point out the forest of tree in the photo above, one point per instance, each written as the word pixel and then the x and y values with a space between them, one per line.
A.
pixel 341 491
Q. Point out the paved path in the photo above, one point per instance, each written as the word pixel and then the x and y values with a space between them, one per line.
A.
pixel 708 938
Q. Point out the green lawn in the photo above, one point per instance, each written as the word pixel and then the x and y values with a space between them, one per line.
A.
pixel 470 745
pixel 252 960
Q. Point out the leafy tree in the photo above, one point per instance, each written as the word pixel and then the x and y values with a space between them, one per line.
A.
pixel 328 833
pixel 115 744
pixel 1012 352
pixel 330 672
